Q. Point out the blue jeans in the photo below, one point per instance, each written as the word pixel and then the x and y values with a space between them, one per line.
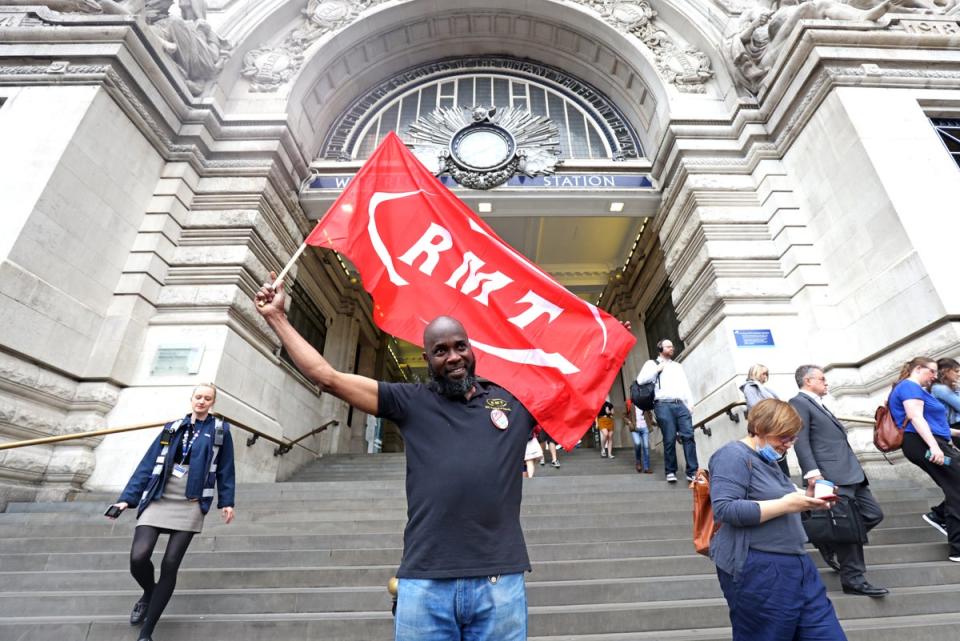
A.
pixel 779 597
pixel 474 609
pixel 674 417
pixel 641 446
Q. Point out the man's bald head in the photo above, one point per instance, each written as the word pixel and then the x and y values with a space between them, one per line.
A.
pixel 441 327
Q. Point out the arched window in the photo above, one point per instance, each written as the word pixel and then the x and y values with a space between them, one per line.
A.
pixel 590 126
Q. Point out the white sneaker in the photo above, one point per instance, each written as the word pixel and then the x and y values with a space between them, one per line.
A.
pixel 955 559
pixel 671 478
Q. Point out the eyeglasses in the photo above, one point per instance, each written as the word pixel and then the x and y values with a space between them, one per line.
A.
pixel 932 370
pixel 786 440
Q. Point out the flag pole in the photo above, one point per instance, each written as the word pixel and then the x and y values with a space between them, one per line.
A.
pixel 286 268
pixel 289 265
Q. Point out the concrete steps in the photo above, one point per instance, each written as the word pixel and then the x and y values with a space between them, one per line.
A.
pixel 309 559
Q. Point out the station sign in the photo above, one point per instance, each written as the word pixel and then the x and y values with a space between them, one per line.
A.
pixel 753 337
pixel 556 182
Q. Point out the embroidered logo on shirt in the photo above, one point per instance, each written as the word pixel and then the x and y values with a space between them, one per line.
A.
pixel 496 404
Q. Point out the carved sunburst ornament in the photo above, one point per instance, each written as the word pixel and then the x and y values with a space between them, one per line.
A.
pixel 483 148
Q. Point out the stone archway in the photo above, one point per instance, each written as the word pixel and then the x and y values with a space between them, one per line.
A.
pixel 316 65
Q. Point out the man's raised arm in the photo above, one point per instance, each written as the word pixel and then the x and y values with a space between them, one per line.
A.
pixel 358 391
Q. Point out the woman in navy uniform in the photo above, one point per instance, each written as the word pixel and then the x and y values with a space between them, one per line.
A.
pixel 173 490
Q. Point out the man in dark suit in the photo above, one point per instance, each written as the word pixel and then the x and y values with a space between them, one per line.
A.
pixel 824 453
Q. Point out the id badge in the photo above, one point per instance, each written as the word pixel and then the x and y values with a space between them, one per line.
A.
pixel 178 471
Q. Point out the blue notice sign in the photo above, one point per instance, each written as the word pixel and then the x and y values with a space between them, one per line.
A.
pixel 753 337
pixel 559 182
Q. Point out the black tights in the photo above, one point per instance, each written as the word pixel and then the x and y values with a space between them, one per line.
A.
pixel 158 593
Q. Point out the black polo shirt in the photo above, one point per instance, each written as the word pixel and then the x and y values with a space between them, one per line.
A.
pixel 464 481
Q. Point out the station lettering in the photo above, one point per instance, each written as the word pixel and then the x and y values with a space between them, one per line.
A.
pixel 587 180
pixel 557 182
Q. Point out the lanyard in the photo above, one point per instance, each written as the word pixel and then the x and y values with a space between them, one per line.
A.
pixel 189 446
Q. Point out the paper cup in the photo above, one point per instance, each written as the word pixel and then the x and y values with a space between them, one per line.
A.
pixel 823 488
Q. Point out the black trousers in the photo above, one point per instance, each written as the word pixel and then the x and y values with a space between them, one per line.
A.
pixel 850 555
pixel 947 477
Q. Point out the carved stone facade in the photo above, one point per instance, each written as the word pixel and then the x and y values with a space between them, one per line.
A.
pixel 763 32
pixel 679 63
pixel 797 186
pixel 187 37
pixel 269 67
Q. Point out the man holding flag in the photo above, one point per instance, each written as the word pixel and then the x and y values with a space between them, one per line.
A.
pixel 423 254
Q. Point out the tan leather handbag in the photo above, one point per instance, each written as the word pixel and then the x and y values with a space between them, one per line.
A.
pixel 704 527
pixel 887 437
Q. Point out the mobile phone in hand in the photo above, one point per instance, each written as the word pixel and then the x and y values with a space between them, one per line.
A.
pixel 113 512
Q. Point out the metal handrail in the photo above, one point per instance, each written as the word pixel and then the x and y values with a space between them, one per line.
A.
pixel 283 449
pixel 46 440
pixel 727 409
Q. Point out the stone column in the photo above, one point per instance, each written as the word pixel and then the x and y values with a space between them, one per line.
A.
pixel 341 345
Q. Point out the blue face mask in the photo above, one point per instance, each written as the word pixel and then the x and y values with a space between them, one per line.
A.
pixel 767 453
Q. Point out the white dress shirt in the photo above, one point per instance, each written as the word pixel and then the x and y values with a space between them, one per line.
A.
pixel 673 382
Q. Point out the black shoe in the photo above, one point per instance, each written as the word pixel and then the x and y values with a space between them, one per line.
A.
pixel 139 612
pixel 866 589
pixel 830 558
pixel 936 522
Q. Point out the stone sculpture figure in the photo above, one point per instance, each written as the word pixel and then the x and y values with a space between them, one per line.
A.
pixel 764 30
pixel 189 40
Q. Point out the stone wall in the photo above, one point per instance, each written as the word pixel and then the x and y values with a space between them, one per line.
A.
pixel 73 202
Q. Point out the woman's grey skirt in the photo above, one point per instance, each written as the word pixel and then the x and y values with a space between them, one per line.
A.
pixel 173 511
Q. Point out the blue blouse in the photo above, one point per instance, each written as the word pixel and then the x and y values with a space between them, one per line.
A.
pixel 934 412
pixel 739 478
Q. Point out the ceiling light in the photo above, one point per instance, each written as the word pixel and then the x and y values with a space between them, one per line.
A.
pixel 616 208
pixel 484 208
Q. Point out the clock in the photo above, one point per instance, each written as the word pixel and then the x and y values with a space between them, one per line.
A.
pixel 483 147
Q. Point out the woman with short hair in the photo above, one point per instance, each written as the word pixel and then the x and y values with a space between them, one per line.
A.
pixel 771 585
pixel 927 442
pixel 173 488
pixel 754 388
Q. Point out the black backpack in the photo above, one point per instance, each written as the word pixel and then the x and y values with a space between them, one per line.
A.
pixel 642 394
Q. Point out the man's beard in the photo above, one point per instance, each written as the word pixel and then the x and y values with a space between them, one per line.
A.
pixel 451 388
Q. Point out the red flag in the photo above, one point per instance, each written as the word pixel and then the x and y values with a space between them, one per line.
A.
pixel 423 253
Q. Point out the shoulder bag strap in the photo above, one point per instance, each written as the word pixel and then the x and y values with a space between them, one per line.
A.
pixel 217 443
